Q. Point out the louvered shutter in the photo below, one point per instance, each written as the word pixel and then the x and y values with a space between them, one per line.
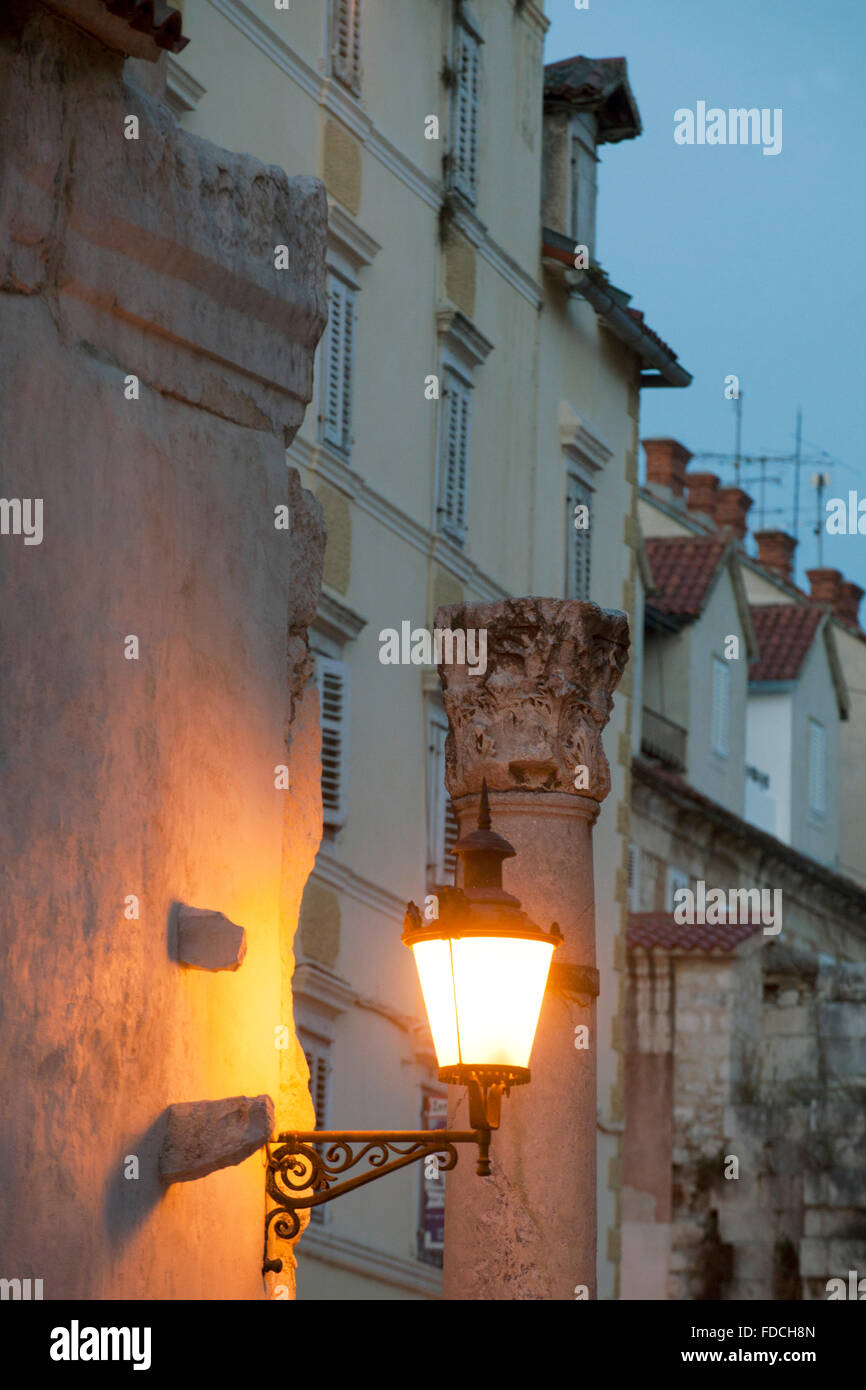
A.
pixel 578 543
pixel 346 46
pixel 332 680
pixel 466 108
pixel 319 1063
pixel 355 81
pixel 339 364
pixel 632 875
pixel 441 821
pixel 454 469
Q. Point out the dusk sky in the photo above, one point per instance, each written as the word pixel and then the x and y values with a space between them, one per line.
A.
pixel 743 262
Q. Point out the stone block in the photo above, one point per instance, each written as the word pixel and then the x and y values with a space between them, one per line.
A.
pixel 207 940
pixel 203 1136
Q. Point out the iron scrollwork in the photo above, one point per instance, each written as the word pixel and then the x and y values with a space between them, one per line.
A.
pixel 305 1169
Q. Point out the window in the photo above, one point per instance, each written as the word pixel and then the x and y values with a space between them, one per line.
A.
pixel 441 820
pixel 346 43
pixel 577 554
pixel 674 879
pixel 453 455
pixel 431 1233
pixel 721 706
pixel 339 361
pixel 583 191
pixel 332 678
pixel 817 768
pixel 633 878
pixel 464 111
pixel 318 1054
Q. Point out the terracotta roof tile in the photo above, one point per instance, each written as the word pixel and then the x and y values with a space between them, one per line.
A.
pixel 658 930
pixel 683 569
pixel 785 632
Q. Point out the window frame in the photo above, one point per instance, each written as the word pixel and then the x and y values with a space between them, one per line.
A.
pixel 346 69
pixel 339 436
pixel 579 491
pixel 453 379
pixel 721 708
pixel 465 108
pixel 439 872
pixel 817 784
pixel 334 818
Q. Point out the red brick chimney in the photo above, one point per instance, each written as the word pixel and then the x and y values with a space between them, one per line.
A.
pixel 847 605
pixel 776 552
pixel 703 488
pixel 732 506
pixel 824 586
pixel 666 463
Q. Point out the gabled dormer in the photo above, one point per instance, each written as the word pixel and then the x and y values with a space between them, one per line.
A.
pixel 587 102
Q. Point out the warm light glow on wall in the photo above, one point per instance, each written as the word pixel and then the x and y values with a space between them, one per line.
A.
pixel 483 995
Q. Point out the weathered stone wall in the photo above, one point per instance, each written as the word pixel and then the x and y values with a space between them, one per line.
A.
pixel 152 776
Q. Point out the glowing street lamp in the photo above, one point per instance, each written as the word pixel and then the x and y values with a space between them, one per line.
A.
pixel 483 969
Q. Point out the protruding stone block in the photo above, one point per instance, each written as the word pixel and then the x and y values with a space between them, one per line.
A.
pixel 207 940
pixel 206 1135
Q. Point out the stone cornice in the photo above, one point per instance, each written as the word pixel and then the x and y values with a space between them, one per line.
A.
pixel 350 239
pixel 536 713
pixel 337 875
pixel 319 459
pixel 579 440
pixel 337 621
pixel 743 834
pixel 461 335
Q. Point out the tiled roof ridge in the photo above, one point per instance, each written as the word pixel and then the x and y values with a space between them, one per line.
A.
pixel 785 634
pixel 659 931
pixel 682 589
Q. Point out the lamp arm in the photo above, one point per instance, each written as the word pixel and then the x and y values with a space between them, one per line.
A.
pixel 305 1167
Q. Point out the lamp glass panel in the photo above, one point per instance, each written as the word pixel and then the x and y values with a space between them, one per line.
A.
pixel 483 996
pixel 499 985
pixel 433 961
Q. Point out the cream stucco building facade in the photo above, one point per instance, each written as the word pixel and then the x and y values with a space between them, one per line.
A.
pixel 473 389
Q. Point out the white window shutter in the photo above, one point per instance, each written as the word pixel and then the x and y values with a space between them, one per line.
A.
pixel 332 680
pixel 467 96
pixel 454 462
pixel 441 821
pixel 346 43
pixel 339 364
pixel 578 542
pixel 318 1055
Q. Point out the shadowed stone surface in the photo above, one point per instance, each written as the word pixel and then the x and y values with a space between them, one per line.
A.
pixel 153 777
pixel 208 940
pixel 205 1135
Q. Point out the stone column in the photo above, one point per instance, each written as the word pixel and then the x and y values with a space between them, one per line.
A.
pixel 526 725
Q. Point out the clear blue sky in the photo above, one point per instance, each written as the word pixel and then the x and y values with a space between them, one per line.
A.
pixel 744 262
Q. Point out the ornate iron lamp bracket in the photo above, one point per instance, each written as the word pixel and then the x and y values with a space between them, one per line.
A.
pixel 305 1169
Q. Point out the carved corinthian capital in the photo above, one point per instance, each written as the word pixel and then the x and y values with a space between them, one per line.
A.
pixel 536 713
